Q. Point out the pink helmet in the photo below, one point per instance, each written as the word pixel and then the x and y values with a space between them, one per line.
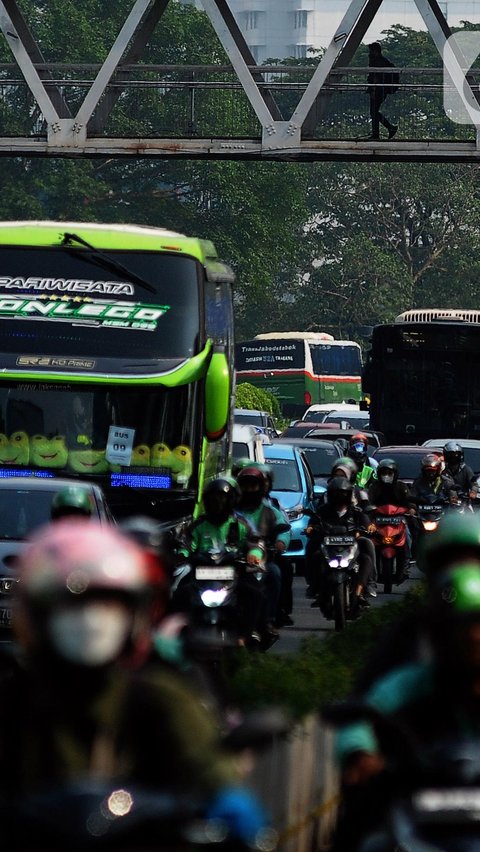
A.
pixel 73 558
pixel 77 556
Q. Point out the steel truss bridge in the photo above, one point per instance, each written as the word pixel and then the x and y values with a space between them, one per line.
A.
pixel 236 111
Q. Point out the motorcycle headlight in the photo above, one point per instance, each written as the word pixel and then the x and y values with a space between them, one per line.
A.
pixel 295 513
pixel 214 597
pixel 334 563
pixel 430 526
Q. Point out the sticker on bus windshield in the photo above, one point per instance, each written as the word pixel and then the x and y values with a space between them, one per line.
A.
pixel 120 445
pixel 66 285
pixel 102 313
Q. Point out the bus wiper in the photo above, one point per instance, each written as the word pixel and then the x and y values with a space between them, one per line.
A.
pixel 104 260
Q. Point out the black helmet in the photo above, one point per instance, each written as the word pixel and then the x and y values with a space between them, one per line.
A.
pixel 220 496
pixel 71 501
pixel 453 453
pixel 387 471
pixel 253 486
pixel 339 492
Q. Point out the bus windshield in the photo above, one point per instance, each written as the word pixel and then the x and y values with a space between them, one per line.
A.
pixel 64 301
pixel 129 436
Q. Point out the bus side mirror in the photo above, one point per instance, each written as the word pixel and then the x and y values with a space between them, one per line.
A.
pixel 217 394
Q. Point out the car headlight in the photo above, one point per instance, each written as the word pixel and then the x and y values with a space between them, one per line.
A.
pixel 295 513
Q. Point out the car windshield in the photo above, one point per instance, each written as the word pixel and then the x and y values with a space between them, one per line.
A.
pixel 354 420
pixel 23 511
pixel 253 419
pixel 471 455
pixel 409 465
pixel 285 474
pixel 239 450
pixel 320 459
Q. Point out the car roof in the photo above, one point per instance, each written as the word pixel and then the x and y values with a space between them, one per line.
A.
pixel 412 449
pixel 344 433
pixel 250 411
pixel 440 442
pixel 44 483
pixel 314 443
pixel 279 451
pixel 332 406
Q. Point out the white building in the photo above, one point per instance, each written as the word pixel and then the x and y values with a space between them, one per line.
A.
pixel 284 28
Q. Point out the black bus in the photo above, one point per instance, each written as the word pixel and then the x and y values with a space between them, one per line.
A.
pixel 422 375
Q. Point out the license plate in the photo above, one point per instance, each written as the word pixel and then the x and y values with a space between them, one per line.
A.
pixel 432 509
pixel 212 573
pixel 389 521
pixel 5 618
pixel 339 539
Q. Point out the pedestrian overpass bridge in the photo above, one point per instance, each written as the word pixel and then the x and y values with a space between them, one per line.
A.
pixel 123 107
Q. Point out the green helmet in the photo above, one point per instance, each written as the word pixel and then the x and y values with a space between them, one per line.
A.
pixel 239 464
pixel 457 592
pixel 348 465
pixel 457 538
pixel 71 500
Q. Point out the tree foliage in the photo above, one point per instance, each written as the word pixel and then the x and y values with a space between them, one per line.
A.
pixel 314 245
pixel 257 399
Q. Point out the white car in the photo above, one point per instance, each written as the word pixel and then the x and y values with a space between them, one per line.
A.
pixel 317 412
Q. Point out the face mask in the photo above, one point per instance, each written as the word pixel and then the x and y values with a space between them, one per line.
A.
pixel 90 634
pixel 387 478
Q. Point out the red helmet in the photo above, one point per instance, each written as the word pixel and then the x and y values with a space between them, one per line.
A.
pixel 432 464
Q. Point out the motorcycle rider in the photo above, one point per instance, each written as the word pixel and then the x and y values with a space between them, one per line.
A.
pixel 285 603
pixel 433 483
pixel 456 468
pixel 358 451
pixel 220 529
pixel 101 711
pixel 273 530
pixel 337 512
pixel 71 501
pixel 388 489
pixel 435 700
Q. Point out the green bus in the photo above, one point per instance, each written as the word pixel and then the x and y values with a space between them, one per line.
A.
pixel 301 368
pixel 116 344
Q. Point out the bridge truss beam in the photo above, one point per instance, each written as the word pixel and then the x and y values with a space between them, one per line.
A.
pixel 61 132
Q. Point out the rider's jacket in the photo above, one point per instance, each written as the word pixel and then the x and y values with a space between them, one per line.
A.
pixel 395 494
pixel 265 521
pixel 426 489
pixel 365 475
pixel 235 535
pixel 462 477
pixel 326 518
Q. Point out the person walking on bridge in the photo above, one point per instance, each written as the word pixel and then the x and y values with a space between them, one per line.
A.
pixel 379 87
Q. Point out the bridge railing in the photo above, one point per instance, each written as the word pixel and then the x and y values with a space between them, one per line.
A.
pixel 208 101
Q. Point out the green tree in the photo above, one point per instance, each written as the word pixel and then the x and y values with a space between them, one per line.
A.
pixel 248 396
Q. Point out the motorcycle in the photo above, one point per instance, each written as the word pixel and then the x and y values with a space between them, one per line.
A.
pixel 432 792
pixel 340 554
pixel 211 583
pixel 389 538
